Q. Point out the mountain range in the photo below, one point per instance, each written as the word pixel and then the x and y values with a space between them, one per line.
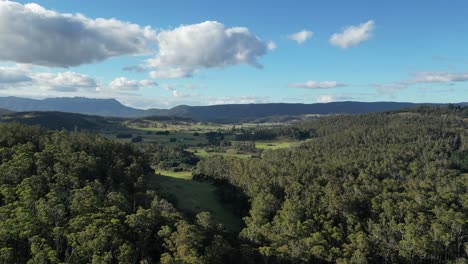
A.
pixel 213 113
pixel 4 111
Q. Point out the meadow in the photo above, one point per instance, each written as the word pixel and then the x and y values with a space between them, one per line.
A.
pixel 193 197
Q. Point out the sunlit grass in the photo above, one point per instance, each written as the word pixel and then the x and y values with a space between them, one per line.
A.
pixel 275 144
pixel 186 175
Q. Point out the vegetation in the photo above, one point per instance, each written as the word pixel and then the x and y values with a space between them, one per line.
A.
pixel 78 198
pixel 193 197
pixel 374 188
pixel 58 120
pixel 378 188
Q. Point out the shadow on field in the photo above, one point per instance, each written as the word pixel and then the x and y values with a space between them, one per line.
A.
pixel 193 197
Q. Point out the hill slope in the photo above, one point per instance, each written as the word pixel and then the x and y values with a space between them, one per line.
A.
pixel 57 120
pixel 238 112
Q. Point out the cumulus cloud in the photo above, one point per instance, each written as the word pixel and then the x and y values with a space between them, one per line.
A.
pixel 35 35
pixel 64 81
pixel 210 44
pixel 19 77
pixel 353 35
pixel 317 85
pixel 301 36
pixel 13 75
pixel 124 84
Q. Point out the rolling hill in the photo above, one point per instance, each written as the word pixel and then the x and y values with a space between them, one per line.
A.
pixel 239 112
pixel 58 120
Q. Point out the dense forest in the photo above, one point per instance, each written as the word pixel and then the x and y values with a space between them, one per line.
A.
pixel 375 188
pixel 79 198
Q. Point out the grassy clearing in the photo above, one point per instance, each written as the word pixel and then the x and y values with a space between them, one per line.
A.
pixel 275 144
pixel 194 197
pixel 186 175
pixel 202 153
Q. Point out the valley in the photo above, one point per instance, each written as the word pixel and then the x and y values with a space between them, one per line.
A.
pixel 259 185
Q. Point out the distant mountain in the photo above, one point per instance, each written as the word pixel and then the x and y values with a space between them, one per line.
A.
pixel 102 107
pixel 214 113
pixel 239 112
pixel 4 111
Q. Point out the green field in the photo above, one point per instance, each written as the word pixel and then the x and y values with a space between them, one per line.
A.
pixel 194 197
pixel 185 175
pixel 202 153
pixel 275 144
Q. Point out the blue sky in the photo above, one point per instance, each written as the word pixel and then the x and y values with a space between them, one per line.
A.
pixel 413 51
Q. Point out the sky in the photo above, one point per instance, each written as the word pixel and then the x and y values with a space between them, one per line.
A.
pixel 160 54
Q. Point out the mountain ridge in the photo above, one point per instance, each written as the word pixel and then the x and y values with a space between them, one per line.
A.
pixel 4 111
pixel 211 113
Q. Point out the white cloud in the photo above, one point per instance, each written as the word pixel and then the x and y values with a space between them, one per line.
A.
pixel 422 78
pixel 210 44
pixel 63 81
pixel 301 36
pixel 35 35
pixel 353 35
pixel 124 84
pixel 13 75
pixel 317 85
pixel 19 77
pixel 271 46
pixel 328 98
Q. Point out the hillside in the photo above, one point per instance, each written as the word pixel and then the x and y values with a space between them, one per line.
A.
pixel 375 188
pixel 239 112
pixel 79 198
pixel 57 120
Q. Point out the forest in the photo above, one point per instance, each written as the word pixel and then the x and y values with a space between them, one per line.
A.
pixel 374 188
